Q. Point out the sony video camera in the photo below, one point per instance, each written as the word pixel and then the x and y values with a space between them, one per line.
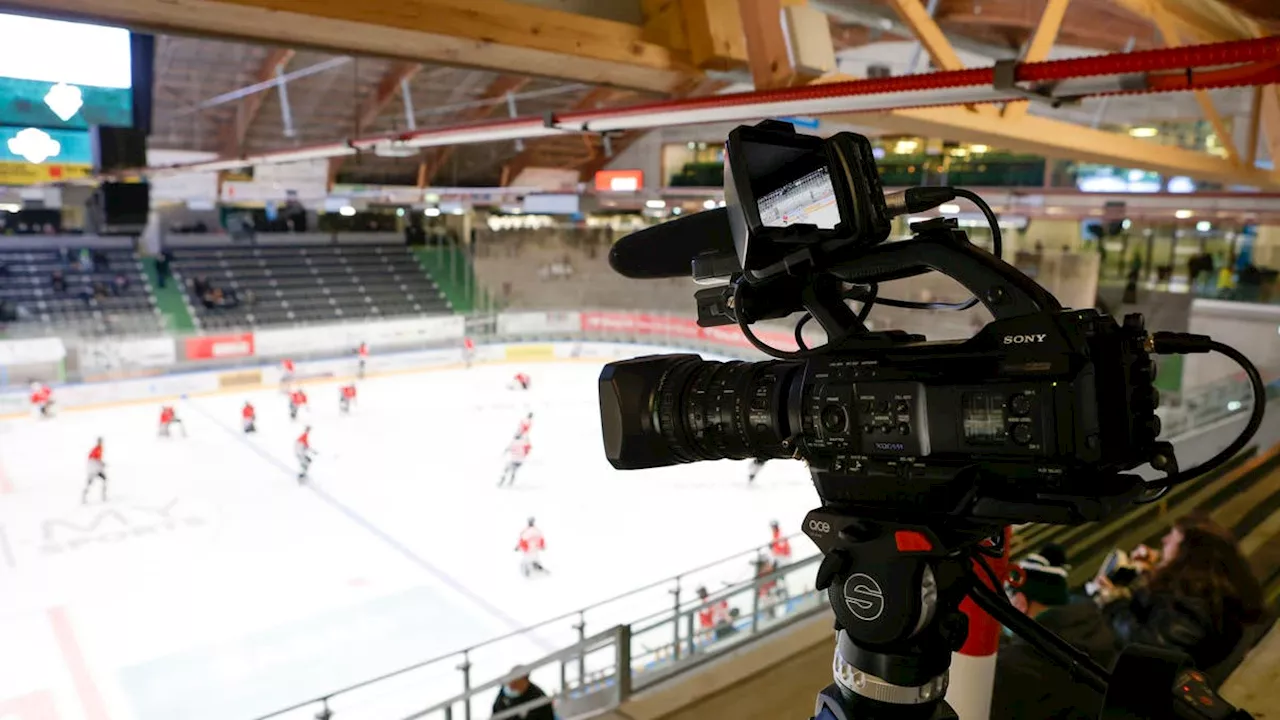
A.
pixel 921 451
pixel 1034 418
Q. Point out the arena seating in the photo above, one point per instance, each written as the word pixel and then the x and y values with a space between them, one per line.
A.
pixel 91 304
pixel 297 284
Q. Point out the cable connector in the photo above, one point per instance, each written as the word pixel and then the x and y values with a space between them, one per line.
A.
pixel 917 199
pixel 1176 343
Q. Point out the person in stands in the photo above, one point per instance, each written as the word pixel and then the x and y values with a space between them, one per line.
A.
pixel 1028 684
pixel 519 698
pixel 1196 594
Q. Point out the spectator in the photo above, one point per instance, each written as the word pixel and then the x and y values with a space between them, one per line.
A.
pixel 250 298
pixel 162 268
pixel 519 692
pixel 100 259
pixel 86 260
pixel 7 314
pixel 85 293
pixel 120 286
pixel 201 285
pixel 1030 685
pixel 64 255
pixel 1196 594
pixel 99 291
pixel 59 281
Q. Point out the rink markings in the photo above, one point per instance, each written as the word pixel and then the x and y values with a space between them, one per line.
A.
pixel 73 658
pixel 387 539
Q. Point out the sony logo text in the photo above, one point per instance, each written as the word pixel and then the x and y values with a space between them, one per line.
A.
pixel 1024 339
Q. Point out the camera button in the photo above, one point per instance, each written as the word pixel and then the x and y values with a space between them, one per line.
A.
pixel 904 429
pixel 1021 433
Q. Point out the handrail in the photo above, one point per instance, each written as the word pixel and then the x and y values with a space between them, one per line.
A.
pixel 533 628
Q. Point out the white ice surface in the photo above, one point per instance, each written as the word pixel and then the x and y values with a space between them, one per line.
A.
pixel 213 585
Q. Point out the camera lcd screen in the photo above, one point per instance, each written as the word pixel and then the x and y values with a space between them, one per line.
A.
pixel 983 418
pixel 809 200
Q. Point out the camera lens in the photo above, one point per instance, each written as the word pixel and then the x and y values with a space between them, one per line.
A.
pixel 664 410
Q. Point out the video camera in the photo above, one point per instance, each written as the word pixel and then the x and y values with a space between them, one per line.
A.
pixel 920 451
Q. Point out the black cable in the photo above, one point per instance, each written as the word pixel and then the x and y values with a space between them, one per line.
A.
pixel 1180 343
pixel 997 241
pixel 800 331
pixel 757 343
pixel 873 289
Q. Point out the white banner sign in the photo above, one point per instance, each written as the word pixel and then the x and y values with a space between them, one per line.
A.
pixel 31 352
pixel 538 322
pixel 346 338
pixel 107 355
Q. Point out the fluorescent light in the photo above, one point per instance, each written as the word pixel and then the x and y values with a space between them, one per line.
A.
pixel 720 204
pixel 655 204
pixel 905 147
pixel 10 207
pixel 1126 224
pixel 431 197
pixel 346 211
pixel 1143 132
pixel 949 208
pixel 978 149
pixel 708 204
pixel 399 212
pixel 1183 214
pixel 1234 405
pixel 432 212
pixel 1204 226
pixel 958 152
pixel 458 211
pixel 677 210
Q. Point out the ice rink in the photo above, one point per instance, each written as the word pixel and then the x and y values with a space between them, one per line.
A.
pixel 213 585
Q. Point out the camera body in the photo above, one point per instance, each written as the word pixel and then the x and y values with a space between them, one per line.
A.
pixel 1025 421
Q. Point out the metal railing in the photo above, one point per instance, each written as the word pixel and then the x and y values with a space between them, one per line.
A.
pixel 589 672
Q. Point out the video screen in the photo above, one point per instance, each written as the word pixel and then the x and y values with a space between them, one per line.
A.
pixel 65 75
pixel 809 200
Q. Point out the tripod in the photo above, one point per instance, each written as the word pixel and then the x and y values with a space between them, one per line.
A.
pixel 896 589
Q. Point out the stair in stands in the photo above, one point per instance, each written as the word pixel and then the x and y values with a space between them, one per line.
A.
pixel 169 299
pixel 453 272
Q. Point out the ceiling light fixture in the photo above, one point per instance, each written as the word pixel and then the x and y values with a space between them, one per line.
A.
pixel 1143 132
pixel 1183 214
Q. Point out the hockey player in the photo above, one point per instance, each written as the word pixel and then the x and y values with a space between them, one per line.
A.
pixel 714 619
pixel 97 471
pixel 346 396
pixel 286 375
pixel 531 545
pixel 302 449
pixel 297 401
pixel 362 356
pixel 249 418
pixel 168 417
pixel 754 469
pixel 525 426
pixel 520 382
pixel 779 547
pixel 41 400
pixel 468 351
pixel 517 453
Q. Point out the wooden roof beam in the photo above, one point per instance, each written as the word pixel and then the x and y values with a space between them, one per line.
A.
pixel 497 35
pixel 1039 47
pixel 933 40
pixel 233 134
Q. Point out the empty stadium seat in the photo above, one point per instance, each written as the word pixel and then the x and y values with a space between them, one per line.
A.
pixel 300 284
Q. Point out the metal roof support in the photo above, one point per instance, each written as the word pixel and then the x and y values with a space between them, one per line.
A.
pixel 286 112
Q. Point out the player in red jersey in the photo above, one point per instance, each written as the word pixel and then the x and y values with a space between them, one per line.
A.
pixel 297 401
pixel 97 471
pixel 302 449
pixel 714 618
pixel 526 425
pixel 286 375
pixel 517 453
pixel 346 396
pixel 362 355
pixel 468 351
pixel 520 382
pixel 168 417
pixel 779 547
pixel 249 418
pixel 42 399
pixel 531 545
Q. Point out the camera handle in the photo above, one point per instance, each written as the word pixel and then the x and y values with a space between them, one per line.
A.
pixel 940 245
pixel 896 590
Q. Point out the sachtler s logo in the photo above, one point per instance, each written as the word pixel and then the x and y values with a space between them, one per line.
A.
pixel 1024 339
pixel 863 596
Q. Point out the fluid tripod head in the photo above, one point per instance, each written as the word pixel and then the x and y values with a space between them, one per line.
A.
pixel 921 452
